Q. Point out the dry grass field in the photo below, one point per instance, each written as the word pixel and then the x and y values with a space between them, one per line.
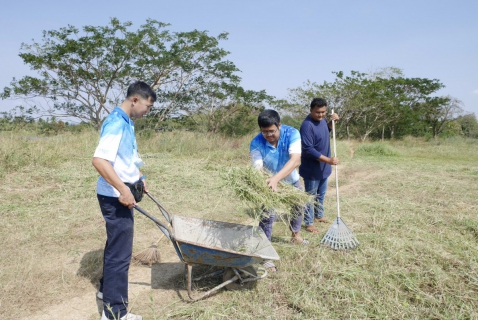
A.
pixel 411 203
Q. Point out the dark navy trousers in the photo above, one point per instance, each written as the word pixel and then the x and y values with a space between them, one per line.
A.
pixel 117 256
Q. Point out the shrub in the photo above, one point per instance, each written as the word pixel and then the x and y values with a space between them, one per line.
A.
pixel 376 149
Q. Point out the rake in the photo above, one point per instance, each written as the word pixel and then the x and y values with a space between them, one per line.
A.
pixel 339 236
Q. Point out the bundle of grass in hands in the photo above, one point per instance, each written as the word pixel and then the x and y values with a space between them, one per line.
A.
pixel 249 184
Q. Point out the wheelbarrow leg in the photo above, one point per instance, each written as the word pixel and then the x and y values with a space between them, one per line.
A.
pixel 207 294
pixel 189 276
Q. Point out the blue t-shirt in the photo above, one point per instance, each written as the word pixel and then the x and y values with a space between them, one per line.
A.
pixel 275 158
pixel 118 146
pixel 315 142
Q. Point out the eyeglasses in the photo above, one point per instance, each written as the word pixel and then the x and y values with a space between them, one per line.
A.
pixel 269 133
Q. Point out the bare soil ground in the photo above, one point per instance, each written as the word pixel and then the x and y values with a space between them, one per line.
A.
pixel 160 277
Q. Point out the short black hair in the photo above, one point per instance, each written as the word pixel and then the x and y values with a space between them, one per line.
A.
pixel 267 118
pixel 318 102
pixel 141 89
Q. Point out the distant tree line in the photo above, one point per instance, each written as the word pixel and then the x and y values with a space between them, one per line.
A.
pixel 82 75
pixel 385 105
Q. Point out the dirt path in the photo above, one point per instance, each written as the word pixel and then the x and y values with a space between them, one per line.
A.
pixel 141 279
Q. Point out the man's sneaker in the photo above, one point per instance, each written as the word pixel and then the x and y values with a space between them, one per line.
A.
pixel 129 316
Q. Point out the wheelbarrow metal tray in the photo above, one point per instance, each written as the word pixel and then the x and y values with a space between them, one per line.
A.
pixel 221 244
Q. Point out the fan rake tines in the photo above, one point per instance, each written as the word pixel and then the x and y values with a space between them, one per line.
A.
pixel 339 237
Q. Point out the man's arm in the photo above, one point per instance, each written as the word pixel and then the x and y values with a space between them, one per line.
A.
pixel 332 161
pixel 307 140
pixel 106 170
pixel 308 149
pixel 293 163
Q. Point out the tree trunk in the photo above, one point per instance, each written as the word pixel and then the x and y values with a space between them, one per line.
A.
pixel 435 130
pixel 365 136
pixel 383 133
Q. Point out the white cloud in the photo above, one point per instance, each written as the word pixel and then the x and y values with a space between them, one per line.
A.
pixel 475 91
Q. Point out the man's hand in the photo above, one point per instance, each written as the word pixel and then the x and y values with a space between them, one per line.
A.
pixel 105 169
pixel 126 198
pixel 333 117
pixel 333 161
pixel 272 183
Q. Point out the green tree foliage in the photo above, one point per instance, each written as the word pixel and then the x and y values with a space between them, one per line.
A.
pixel 240 121
pixel 380 103
pixel 83 74
pixel 217 107
pixel 469 125
pixel 8 123
pixel 438 112
pixel 48 126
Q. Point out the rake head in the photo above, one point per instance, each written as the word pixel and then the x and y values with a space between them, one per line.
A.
pixel 339 237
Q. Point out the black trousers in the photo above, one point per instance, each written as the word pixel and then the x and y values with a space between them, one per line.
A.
pixel 117 256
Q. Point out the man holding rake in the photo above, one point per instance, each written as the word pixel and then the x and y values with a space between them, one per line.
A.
pixel 315 167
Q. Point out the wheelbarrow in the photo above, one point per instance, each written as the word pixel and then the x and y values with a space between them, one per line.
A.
pixel 235 248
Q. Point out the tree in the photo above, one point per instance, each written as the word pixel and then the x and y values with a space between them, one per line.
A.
pixel 469 125
pixel 216 104
pixel 369 104
pixel 83 75
pixel 439 111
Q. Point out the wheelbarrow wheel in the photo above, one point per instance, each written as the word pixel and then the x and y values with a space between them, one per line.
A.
pixel 237 285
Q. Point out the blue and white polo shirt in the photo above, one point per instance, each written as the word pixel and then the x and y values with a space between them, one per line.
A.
pixel 273 159
pixel 118 146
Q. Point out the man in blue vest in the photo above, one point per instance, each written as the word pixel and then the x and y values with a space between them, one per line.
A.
pixel 277 150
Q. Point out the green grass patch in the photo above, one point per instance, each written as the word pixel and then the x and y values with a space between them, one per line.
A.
pixel 379 149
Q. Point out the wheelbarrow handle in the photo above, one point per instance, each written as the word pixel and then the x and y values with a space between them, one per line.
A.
pixel 163 210
pixel 167 232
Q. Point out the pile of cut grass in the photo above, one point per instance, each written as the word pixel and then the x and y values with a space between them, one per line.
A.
pixel 249 185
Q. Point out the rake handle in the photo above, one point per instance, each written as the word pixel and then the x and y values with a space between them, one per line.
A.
pixel 336 171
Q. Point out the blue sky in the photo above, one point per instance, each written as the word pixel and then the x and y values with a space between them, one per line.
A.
pixel 281 44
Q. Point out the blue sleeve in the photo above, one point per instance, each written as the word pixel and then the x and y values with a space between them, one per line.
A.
pixel 110 139
pixel 294 136
pixel 307 135
pixel 254 145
